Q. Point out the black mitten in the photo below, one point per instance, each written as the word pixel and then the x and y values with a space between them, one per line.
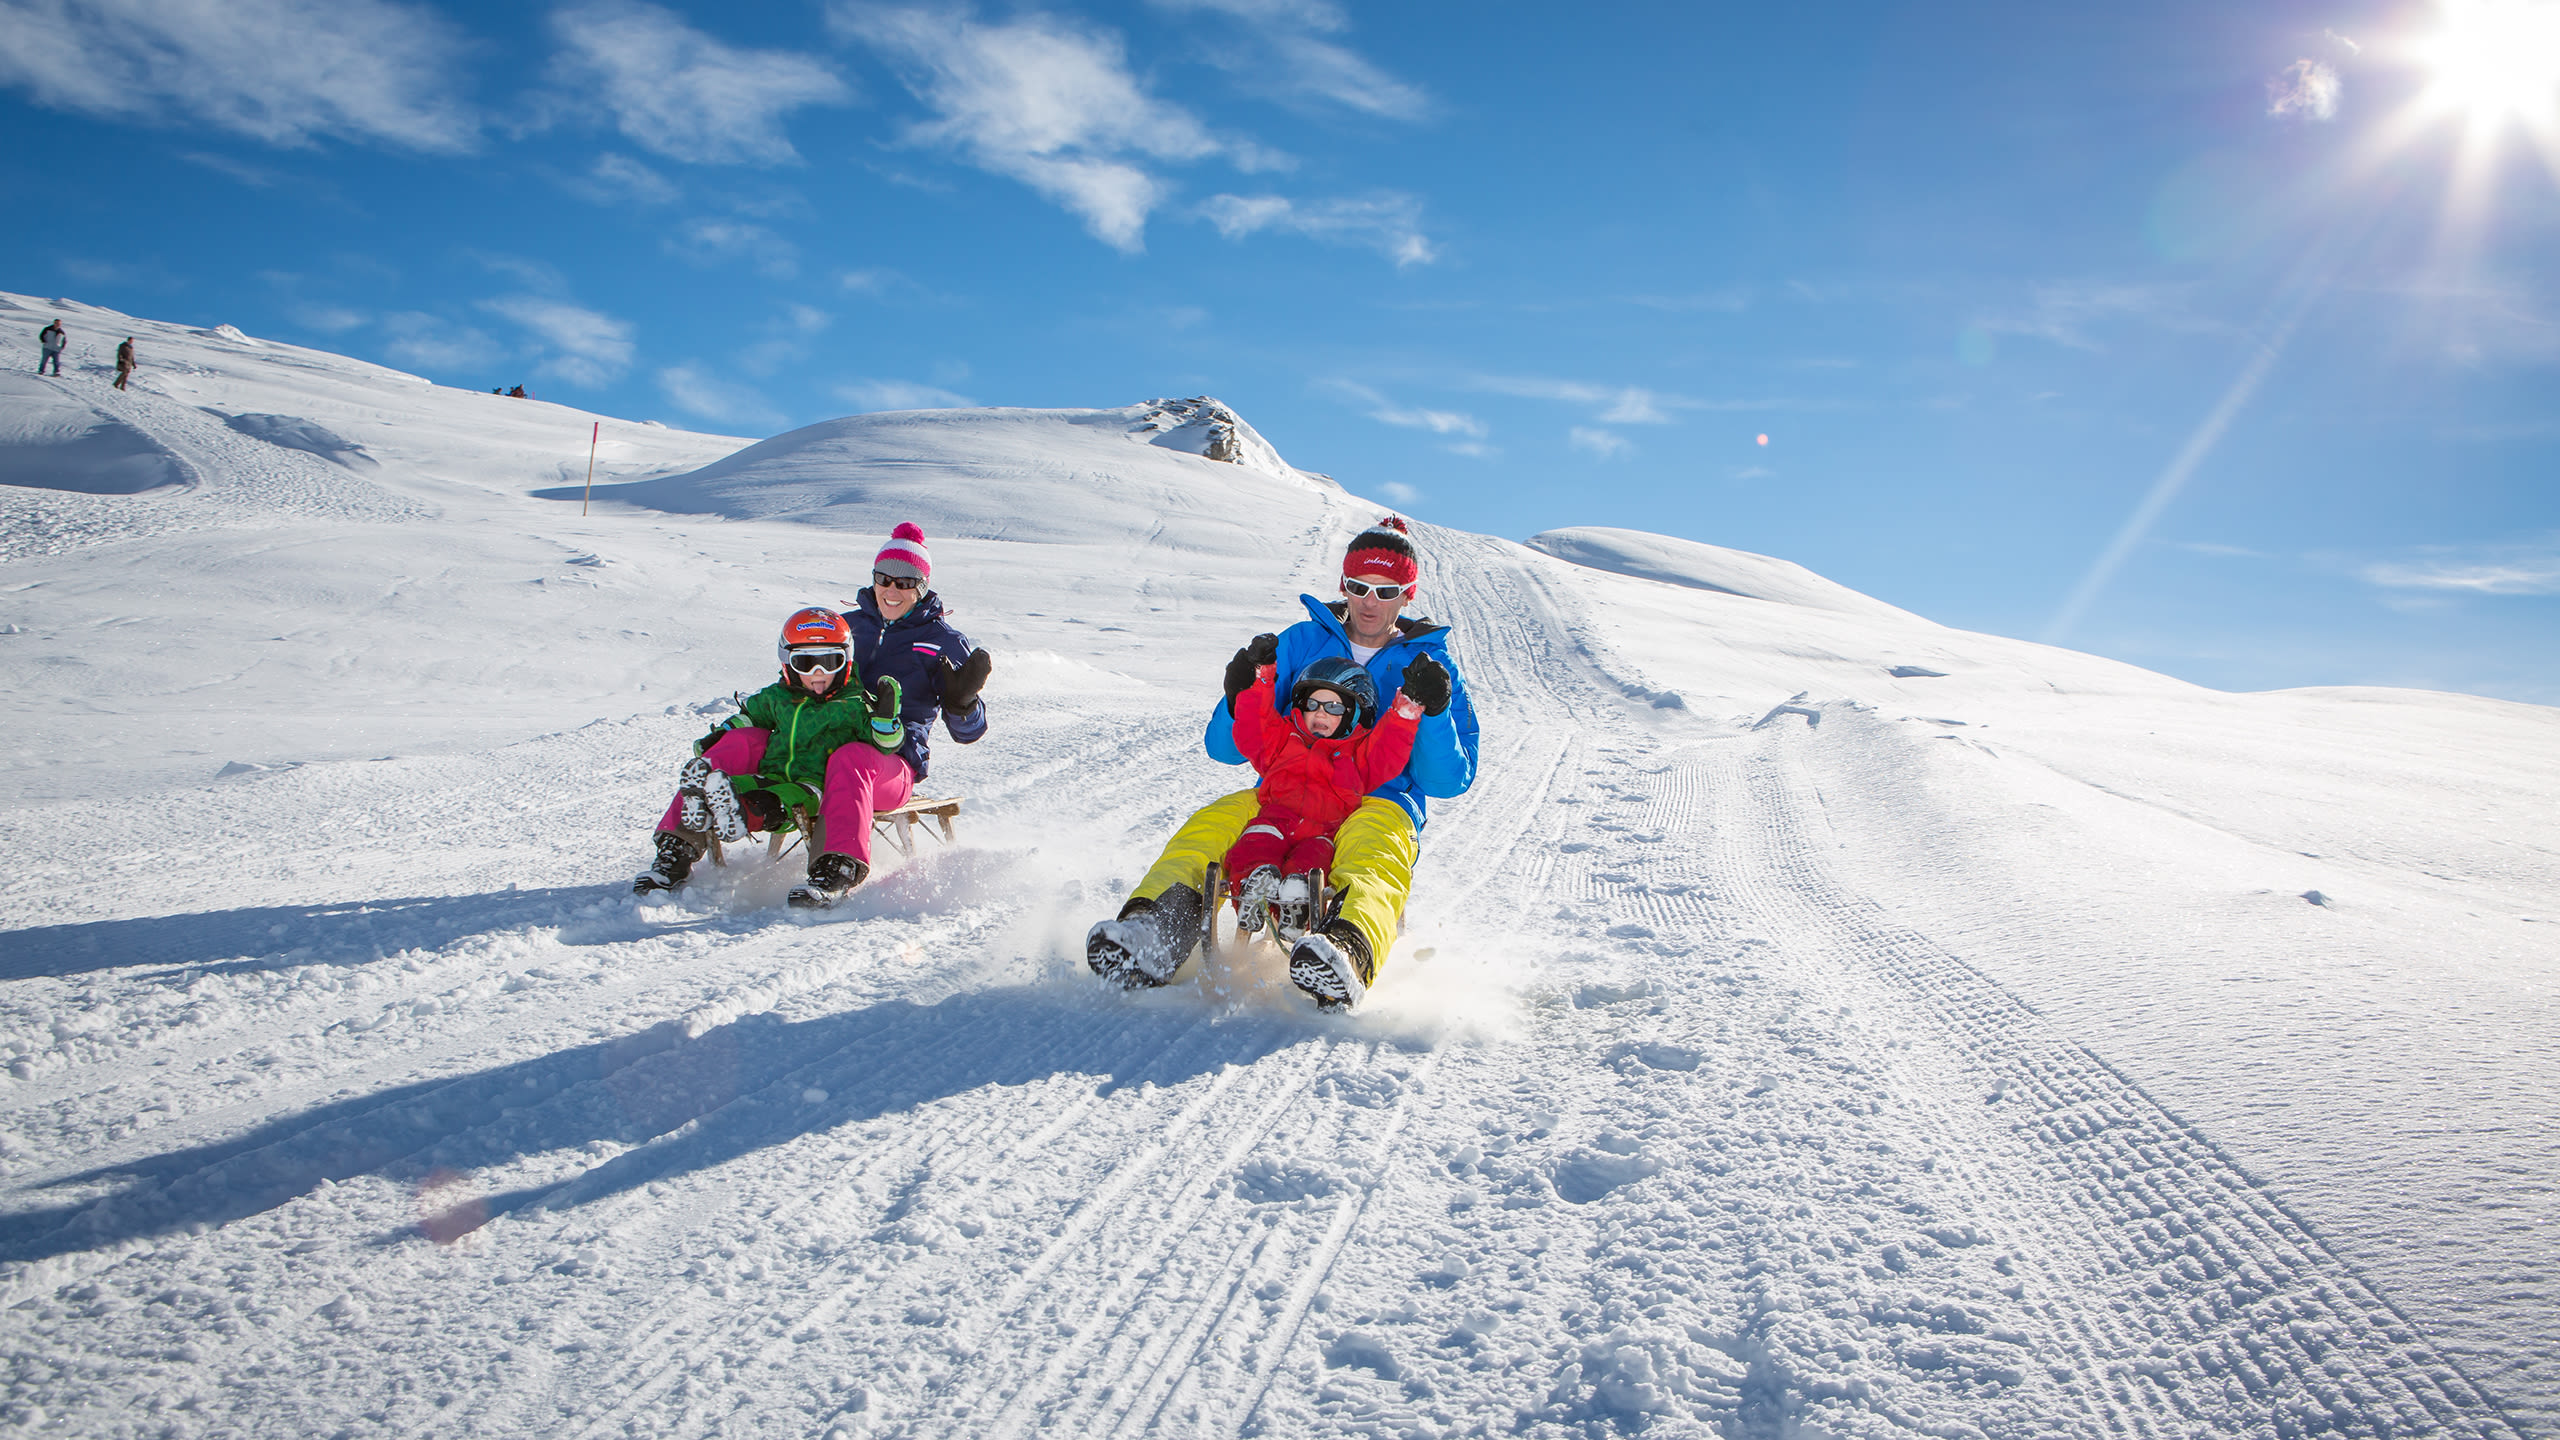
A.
pixel 1258 652
pixel 962 682
pixel 1426 684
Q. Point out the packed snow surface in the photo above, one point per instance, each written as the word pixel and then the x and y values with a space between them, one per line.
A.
pixel 1816 1023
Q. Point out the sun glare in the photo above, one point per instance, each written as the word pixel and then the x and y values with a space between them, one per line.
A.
pixel 2495 61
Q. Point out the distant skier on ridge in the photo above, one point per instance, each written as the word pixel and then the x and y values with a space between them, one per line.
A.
pixel 52 339
pixel 125 362
pixel 1338 959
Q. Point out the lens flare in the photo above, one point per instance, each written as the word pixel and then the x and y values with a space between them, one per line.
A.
pixel 2495 61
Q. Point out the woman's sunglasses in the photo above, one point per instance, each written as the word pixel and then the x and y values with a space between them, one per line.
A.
pixel 895 582
pixel 1364 589
pixel 810 661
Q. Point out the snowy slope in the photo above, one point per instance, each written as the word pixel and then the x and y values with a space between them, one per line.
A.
pixel 1783 1045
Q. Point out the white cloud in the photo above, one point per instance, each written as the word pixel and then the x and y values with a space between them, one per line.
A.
pixel 288 72
pixel 619 179
pixel 900 395
pixel 712 242
pixel 1732 300
pixel 328 319
pixel 1288 60
pixel 579 345
pixel 2065 313
pixel 1389 223
pixel 690 389
pixel 2507 570
pixel 2306 87
pixel 431 342
pixel 254 176
pixel 1602 443
pixel 678 92
pixel 1404 495
pixel 1038 100
pixel 1385 411
pixel 805 319
pixel 1473 449
pixel 1612 404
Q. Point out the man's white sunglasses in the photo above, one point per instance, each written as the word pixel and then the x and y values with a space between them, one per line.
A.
pixel 1368 589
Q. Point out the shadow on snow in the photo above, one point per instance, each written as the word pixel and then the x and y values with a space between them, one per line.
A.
pixel 733 1090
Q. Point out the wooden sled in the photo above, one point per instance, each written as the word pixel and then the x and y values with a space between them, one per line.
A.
pixel 1273 930
pixel 800 808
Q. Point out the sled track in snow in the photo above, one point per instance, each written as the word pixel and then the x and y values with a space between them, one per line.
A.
pixel 2227 1312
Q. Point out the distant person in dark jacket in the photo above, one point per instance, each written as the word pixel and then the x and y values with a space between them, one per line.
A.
pixel 53 340
pixel 124 362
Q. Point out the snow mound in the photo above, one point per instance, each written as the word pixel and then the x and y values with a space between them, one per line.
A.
pixel 1046 476
pixel 292 432
pixel 52 440
pixel 1674 561
pixel 1205 427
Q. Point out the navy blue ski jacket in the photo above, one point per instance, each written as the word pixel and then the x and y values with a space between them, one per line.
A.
pixel 1444 747
pixel 913 649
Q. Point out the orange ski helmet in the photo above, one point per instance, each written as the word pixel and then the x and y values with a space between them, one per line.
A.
pixel 818 632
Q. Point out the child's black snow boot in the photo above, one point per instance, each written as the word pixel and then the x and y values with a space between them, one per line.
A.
pixel 832 877
pixel 674 865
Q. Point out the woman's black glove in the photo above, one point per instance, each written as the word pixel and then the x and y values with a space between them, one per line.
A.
pixel 1260 651
pixel 1426 684
pixel 962 682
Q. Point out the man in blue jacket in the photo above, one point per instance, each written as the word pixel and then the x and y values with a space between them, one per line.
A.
pixel 1375 849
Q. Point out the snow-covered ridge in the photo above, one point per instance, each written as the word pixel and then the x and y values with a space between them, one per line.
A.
pixel 1700 566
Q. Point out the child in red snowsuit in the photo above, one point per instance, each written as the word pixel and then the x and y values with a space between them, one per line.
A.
pixel 1317 764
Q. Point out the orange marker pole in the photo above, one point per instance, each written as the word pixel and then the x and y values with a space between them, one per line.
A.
pixel 592 436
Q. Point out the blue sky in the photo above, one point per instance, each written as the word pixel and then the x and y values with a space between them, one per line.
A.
pixel 2224 340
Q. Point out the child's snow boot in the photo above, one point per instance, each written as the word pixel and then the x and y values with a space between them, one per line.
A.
pixel 708 803
pixel 832 877
pixel 1254 894
pixel 674 865
pixel 1333 965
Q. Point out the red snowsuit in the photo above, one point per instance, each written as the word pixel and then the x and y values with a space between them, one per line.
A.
pixel 1309 785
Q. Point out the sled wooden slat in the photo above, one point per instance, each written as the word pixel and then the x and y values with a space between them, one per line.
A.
pixel 904 818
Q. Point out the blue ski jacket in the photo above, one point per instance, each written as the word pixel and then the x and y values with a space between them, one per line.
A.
pixel 1444 748
pixel 913 650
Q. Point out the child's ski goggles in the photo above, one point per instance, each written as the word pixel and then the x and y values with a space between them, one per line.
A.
pixel 810 661
pixel 895 582
pixel 1365 589
pixel 1329 707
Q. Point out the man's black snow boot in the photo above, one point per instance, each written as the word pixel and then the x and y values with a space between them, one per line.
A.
pixel 1333 965
pixel 1148 942
pixel 832 877
pixel 674 865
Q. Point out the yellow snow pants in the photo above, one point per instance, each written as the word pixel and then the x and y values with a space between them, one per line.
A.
pixel 1373 857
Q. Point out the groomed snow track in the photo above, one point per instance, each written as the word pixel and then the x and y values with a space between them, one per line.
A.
pixel 1672 1133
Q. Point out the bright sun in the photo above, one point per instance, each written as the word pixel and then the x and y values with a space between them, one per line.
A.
pixel 2496 60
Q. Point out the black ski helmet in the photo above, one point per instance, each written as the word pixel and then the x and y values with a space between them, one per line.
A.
pixel 1345 677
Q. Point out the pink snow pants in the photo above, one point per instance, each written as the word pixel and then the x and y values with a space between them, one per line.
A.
pixel 860 782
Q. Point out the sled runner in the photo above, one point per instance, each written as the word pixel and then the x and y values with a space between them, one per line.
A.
pixel 1269 919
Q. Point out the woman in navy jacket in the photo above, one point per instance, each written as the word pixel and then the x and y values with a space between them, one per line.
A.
pixel 898 630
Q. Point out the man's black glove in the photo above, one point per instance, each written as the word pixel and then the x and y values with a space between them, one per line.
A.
pixel 962 682
pixel 1258 652
pixel 1426 684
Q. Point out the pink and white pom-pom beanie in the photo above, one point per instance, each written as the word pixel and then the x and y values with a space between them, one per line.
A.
pixel 905 554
